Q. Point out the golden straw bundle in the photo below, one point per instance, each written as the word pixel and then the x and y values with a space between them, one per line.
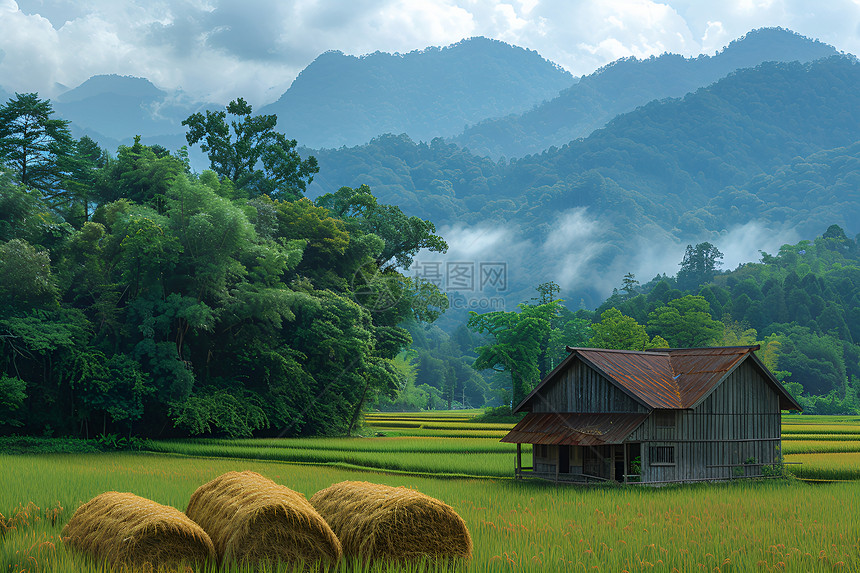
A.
pixel 123 528
pixel 376 521
pixel 251 519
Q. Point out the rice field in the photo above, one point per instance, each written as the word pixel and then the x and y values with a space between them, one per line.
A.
pixel 454 457
pixel 409 442
pixel 776 525
pixel 741 526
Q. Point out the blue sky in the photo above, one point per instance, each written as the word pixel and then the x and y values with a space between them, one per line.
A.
pixel 219 49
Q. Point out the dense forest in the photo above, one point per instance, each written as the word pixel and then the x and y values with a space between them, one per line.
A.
pixel 801 305
pixel 137 297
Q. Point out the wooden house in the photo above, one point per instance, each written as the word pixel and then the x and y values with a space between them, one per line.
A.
pixel 670 415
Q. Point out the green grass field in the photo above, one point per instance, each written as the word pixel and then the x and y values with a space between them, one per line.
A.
pixel 515 526
pixel 774 525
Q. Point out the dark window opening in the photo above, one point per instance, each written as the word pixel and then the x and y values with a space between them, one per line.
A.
pixel 661 455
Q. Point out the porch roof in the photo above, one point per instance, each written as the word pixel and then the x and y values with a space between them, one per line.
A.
pixel 574 429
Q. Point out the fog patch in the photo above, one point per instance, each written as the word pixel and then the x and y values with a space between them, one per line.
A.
pixel 743 243
pixel 573 243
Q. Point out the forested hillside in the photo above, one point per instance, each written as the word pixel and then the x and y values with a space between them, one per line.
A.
pixel 346 100
pixel 667 173
pixel 626 84
pixel 800 305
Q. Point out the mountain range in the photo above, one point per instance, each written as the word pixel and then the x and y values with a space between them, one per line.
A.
pixel 767 153
pixel 626 84
pixel 509 100
pixel 610 173
pixel 346 100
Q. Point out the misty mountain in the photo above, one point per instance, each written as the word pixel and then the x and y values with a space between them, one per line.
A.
pixel 346 100
pixel 120 107
pixel 767 151
pixel 626 84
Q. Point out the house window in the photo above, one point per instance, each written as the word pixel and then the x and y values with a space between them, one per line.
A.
pixel 665 420
pixel 661 455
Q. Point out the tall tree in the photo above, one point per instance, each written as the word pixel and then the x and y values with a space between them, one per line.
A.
pixel 239 148
pixel 517 341
pixel 35 144
pixel 699 266
pixel 629 284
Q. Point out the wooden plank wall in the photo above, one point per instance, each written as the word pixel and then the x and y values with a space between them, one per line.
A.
pixel 739 421
pixel 582 389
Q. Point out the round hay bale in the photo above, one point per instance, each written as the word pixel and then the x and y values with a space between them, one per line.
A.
pixel 376 521
pixel 252 519
pixel 123 528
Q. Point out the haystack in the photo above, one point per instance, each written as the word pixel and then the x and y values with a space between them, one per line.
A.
pixel 376 521
pixel 252 519
pixel 123 528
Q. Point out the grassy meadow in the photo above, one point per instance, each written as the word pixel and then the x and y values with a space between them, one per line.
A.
pixel 775 525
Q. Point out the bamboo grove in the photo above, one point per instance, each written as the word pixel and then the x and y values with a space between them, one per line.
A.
pixel 138 298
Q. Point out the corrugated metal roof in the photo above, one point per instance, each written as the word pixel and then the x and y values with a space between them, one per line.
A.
pixel 648 376
pixel 675 378
pixel 574 429
pixel 699 370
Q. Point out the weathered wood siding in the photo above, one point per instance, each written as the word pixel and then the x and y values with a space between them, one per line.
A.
pixel 582 389
pixel 739 421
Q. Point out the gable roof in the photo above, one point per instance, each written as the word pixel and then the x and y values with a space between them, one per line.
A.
pixel 672 378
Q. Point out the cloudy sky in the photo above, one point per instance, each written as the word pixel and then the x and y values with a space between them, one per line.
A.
pixel 219 49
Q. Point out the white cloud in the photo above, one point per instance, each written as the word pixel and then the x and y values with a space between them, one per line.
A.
pixel 218 49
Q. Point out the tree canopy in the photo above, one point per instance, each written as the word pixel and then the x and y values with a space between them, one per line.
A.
pixel 249 152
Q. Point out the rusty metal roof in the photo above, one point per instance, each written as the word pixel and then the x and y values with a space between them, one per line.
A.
pixel 574 429
pixel 674 378
pixel 647 376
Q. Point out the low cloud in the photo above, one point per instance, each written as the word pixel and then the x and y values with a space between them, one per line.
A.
pixel 743 244
pixel 581 254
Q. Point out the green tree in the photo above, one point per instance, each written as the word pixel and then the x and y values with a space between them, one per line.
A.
pixel 629 285
pixel 517 343
pixel 404 236
pixel 685 322
pixel 699 266
pixel 34 144
pixel 140 174
pixel 239 148
pixel 26 279
pixel 620 332
pixel 82 178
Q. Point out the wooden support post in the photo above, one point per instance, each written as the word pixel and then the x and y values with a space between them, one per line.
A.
pixel 626 467
pixel 519 474
pixel 557 461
